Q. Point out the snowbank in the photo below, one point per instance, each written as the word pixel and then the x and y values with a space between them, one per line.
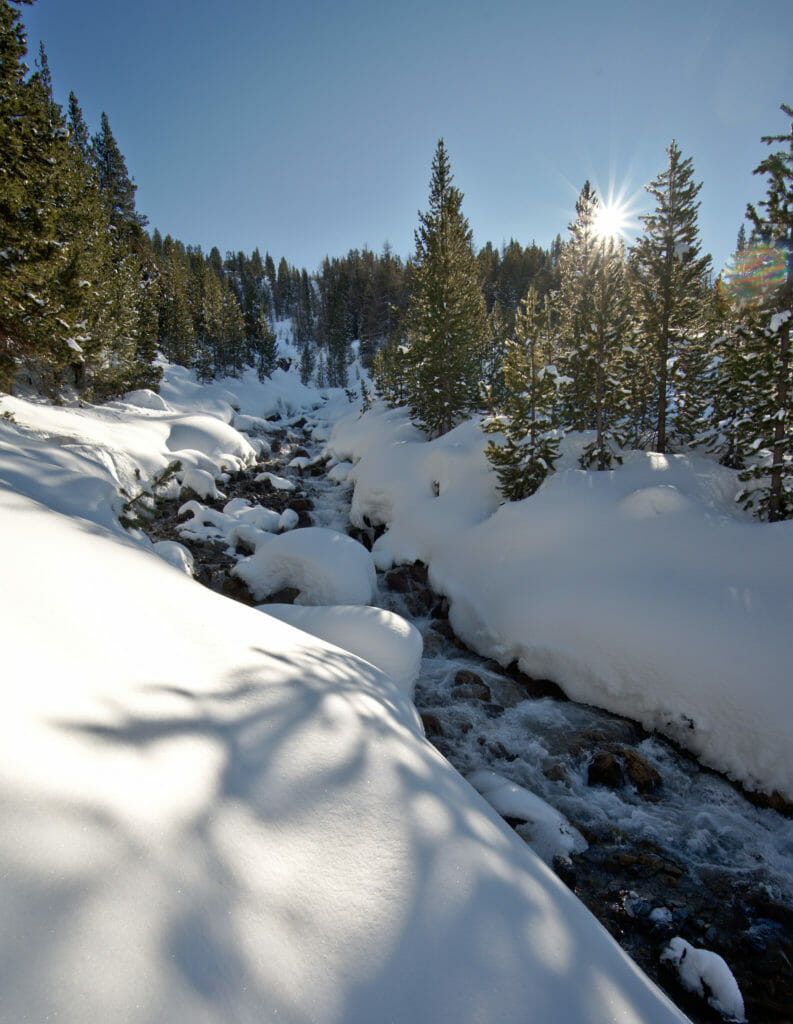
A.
pixel 211 816
pixel 644 590
pixel 378 636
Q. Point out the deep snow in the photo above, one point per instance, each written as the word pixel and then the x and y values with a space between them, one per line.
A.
pixel 644 590
pixel 211 815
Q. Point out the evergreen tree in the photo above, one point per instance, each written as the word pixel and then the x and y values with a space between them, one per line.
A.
pixel 593 330
pixel 29 255
pixel 670 278
pixel 446 316
pixel 525 417
pixel 760 388
pixel 176 332
pixel 115 183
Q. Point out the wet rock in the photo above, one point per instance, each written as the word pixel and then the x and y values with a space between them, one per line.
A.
pixel 556 772
pixel 616 768
pixel 536 688
pixel 506 692
pixel 398 580
pixel 644 776
pixel 432 724
pixel 442 627
pixel 605 770
pixel 286 595
pixel 472 691
pixel 237 590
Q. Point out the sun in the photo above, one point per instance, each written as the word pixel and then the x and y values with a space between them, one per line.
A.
pixel 612 221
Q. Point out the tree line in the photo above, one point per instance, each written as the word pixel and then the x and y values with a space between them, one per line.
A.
pixel 634 349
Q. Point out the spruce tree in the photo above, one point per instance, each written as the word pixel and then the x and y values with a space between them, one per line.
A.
pixel 446 315
pixel 30 328
pixel 762 422
pixel 115 183
pixel 525 415
pixel 593 331
pixel 670 274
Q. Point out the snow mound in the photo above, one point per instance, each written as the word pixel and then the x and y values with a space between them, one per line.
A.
pixel 547 831
pixel 210 436
pixel 380 637
pixel 325 566
pixel 200 482
pixel 176 555
pixel 146 399
pixel 706 973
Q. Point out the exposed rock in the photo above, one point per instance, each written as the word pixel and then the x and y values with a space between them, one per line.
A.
pixel 472 691
pixel 235 588
pixel 605 770
pixel 615 768
pixel 432 724
pixel 506 692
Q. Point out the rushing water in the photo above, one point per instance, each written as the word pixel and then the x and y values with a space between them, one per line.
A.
pixel 683 852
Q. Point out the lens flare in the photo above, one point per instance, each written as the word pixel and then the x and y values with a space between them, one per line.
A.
pixel 753 274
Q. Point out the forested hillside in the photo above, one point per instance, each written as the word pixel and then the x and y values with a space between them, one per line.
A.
pixel 639 346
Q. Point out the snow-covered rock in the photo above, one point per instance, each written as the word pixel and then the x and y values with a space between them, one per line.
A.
pixel 706 973
pixel 325 566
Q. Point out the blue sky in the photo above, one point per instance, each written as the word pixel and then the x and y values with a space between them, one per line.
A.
pixel 308 128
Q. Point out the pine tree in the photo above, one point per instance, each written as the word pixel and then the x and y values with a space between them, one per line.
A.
pixel 759 388
pixel 115 183
pixel 593 331
pixel 525 416
pixel 446 316
pixel 30 326
pixel 670 278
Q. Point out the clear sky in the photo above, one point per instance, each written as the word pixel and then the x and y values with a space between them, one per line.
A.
pixel 307 127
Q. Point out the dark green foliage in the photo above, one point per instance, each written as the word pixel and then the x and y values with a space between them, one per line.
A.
pixel 754 391
pixel 670 280
pixel 446 316
pixel 594 330
pixel 526 415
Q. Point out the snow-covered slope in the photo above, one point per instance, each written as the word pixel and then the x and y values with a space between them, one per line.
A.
pixel 211 816
pixel 644 590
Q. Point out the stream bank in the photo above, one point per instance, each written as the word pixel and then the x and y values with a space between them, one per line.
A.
pixel 673 848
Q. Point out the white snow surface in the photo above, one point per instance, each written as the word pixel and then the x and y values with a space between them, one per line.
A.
pixel 374 634
pixel 547 831
pixel 326 566
pixel 644 590
pixel 212 816
pixel 706 973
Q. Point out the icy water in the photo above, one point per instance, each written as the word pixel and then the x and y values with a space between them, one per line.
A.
pixel 673 848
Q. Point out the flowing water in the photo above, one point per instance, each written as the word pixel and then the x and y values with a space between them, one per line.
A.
pixel 671 847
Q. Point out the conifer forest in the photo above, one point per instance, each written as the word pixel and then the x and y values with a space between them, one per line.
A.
pixel 643 346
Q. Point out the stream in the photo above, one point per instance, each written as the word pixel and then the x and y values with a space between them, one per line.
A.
pixel 672 848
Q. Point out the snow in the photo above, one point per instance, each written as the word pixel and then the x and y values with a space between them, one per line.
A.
pixel 706 974
pixel 378 636
pixel 547 831
pixel 327 567
pixel 211 815
pixel 645 590
pixel 202 483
